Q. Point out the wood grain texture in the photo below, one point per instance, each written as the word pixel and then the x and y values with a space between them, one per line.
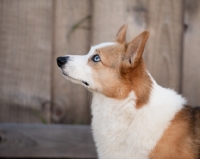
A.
pixel 191 52
pixel 71 36
pixel 37 140
pixel 25 53
pixel 163 51
pixel 109 16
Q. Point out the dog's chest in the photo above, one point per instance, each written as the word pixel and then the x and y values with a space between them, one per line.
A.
pixel 121 131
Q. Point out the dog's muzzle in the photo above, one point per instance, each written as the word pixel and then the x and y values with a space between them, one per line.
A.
pixel 62 60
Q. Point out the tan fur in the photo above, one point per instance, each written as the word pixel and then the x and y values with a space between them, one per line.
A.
pixel 111 57
pixel 135 50
pixel 121 35
pixel 177 141
pixel 133 67
pixel 117 63
pixel 141 83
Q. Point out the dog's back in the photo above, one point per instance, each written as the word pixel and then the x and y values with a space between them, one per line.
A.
pixel 182 138
pixel 195 120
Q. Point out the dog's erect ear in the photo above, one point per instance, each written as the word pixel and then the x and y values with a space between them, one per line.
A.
pixel 121 35
pixel 135 50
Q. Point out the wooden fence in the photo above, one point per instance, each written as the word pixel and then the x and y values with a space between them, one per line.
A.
pixel 34 32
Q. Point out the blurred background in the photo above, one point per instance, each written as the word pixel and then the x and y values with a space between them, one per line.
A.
pixel 34 32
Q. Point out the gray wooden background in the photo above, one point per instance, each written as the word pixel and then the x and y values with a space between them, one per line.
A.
pixel 34 32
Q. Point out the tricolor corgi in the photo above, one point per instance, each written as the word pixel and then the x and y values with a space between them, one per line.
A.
pixel 133 117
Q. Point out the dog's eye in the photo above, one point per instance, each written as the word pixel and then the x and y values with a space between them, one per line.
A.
pixel 96 58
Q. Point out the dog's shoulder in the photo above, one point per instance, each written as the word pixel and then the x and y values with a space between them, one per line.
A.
pixel 195 121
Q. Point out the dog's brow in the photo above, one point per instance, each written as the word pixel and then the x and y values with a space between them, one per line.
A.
pixel 97 50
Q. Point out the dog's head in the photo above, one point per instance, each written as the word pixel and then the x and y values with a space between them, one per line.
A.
pixel 111 68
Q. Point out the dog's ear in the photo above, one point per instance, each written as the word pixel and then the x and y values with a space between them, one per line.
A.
pixel 135 50
pixel 121 35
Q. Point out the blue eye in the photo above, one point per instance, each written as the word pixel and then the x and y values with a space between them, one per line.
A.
pixel 96 58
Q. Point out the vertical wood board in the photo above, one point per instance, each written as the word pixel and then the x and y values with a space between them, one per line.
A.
pixel 163 50
pixel 71 37
pixel 25 52
pixel 191 52
pixel 109 16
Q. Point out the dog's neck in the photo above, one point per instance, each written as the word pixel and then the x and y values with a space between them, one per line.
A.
pixel 116 121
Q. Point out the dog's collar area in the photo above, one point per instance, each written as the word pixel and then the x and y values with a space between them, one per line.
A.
pixel 85 83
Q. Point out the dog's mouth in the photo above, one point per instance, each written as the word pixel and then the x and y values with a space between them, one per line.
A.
pixel 74 79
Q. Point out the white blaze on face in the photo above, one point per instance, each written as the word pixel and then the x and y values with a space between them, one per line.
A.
pixel 77 69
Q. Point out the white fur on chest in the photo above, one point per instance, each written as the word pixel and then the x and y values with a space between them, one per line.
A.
pixel 123 132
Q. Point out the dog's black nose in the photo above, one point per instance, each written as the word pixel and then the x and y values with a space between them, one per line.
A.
pixel 62 60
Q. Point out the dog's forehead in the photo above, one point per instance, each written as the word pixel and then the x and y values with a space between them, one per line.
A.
pixel 93 48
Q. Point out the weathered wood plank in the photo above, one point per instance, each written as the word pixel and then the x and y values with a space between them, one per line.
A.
pixel 191 52
pixel 37 140
pixel 109 16
pixel 71 36
pixel 25 53
pixel 163 51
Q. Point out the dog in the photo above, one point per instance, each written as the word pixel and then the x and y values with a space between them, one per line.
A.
pixel 132 116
